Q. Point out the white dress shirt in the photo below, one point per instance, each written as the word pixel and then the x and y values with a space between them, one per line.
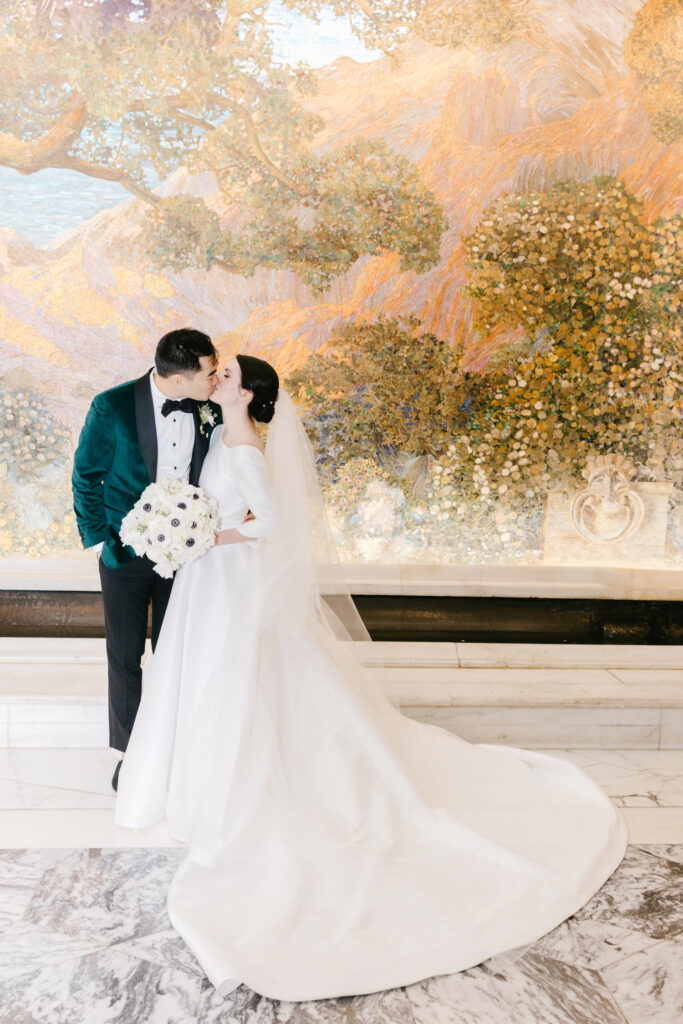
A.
pixel 175 438
pixel 175 441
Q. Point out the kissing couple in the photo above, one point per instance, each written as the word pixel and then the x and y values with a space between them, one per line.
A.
pixel 334 846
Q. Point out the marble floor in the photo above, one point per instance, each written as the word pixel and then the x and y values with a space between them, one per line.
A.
pixel 63 797
pixel 85 936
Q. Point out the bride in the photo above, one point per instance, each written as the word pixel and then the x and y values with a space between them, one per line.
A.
pixel 335 846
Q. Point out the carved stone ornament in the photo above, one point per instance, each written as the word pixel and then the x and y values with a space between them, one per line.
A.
pixel 608 508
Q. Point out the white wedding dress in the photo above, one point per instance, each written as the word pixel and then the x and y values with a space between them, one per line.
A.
pixel 335 847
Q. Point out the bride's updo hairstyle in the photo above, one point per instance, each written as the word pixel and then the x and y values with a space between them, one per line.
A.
pixel 259 377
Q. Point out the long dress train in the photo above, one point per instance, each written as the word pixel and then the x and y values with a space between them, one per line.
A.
pixel 335 846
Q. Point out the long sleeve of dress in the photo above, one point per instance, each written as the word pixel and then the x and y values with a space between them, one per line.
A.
pixel 254 486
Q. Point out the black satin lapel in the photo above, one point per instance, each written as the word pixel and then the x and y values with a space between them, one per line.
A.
pixel 199 447
pixel 146 427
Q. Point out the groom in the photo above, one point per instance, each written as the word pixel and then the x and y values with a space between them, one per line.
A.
pixel 136 433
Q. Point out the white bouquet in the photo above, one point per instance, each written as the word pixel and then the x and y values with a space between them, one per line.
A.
pixel 172 523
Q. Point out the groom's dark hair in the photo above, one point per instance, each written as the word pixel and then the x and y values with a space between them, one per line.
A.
pixel 179 351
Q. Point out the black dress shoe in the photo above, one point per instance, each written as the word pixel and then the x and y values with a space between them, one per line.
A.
pixel 115 776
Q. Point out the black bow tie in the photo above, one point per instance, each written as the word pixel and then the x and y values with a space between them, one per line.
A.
pixel 184 405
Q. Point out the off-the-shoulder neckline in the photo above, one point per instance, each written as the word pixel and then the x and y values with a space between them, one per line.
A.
pixel 234 447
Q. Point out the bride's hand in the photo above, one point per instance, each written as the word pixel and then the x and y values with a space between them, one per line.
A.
pixel 232 536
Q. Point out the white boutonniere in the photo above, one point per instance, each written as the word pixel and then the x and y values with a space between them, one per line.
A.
pixel 206 418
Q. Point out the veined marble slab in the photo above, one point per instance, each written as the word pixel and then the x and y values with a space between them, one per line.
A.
pixel 60 827
pixel 648 984
pixel 40 779
pixel 83 651
pixel 671 729
pixel 21 650
pixel 537 728
pixel 538 686
pixel 87 940
pixel 522 706
pixel 534 988
pixel 77 666
pixel 633 778
pixel 63 797
pixel 575 656
pixel 653 824
pixel 71 722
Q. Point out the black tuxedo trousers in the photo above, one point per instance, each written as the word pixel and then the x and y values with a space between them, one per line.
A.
pixel 127 593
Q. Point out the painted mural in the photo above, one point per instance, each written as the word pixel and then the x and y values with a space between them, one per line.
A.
pixel 456 229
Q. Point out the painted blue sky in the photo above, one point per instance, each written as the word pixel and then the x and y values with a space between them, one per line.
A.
pixel 317 44
pixel 43 206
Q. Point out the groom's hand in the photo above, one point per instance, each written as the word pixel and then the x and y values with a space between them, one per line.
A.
pixel 249 516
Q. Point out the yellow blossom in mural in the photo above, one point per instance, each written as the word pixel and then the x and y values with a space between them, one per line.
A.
pixel 601 363
pixel 654 48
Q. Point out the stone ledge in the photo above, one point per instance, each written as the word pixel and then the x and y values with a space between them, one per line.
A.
pixel 74 723
pixel 655 582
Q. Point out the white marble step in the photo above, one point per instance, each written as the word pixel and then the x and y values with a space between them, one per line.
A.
pixel 53 692
pixel 24 652
pixel 57 798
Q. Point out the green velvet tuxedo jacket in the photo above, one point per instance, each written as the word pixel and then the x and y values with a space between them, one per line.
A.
pixel 116 459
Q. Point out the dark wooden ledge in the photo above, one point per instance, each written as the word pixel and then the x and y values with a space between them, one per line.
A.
pixel 62 613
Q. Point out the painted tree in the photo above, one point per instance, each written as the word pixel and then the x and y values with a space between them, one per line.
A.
pixel 130 90
pixel 561 261
pixel 654 48
pixel 386 389
pixel 598 292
